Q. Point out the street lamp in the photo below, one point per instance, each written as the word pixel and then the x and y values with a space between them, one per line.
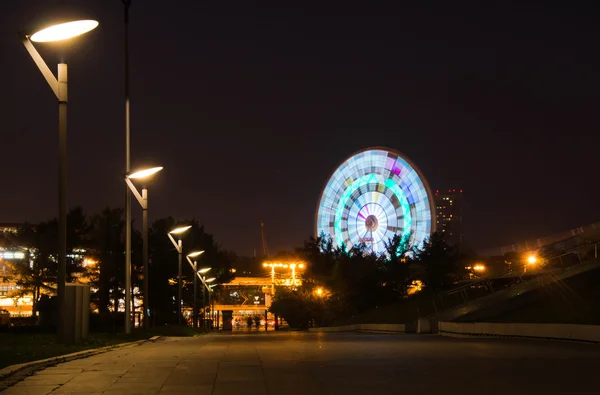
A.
pixel 205 287
pixel 195 269
pixel 179 247
pixel 58 85
pixel 143 200
pixel 531 260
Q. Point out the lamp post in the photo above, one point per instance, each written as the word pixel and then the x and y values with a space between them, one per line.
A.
pixel 208 288
pixel 205 287
pixel 143 200
pixel 194 265
pixel 126 5
pixel 58 85
pixel 179 247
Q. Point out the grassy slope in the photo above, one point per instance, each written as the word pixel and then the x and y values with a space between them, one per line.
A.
pixel 24 347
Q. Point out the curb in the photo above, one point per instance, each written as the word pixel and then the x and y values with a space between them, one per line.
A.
pixel 12 374
pixel 524 337
pixel 374 328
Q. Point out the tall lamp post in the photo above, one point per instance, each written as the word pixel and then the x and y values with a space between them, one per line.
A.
pixel 58 85
pixel 126 5
pixel 194 265
pixel 143 200
pixel 179 247
pixel 208 288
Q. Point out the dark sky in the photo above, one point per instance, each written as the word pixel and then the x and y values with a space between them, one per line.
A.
pixel 250 107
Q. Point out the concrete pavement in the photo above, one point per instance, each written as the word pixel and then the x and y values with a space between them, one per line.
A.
pixel 317 363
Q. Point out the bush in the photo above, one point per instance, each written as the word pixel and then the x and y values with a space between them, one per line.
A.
pixel 300 308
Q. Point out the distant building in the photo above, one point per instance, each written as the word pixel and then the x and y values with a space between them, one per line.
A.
pixel 9 227
pixel 449 214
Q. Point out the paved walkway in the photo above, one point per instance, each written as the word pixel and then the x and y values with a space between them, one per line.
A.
pixel 314 364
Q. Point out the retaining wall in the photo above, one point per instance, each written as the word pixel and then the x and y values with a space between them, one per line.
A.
pixel 393 328
pixel 590 333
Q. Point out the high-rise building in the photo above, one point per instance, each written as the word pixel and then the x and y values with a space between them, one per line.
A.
pixel 449 214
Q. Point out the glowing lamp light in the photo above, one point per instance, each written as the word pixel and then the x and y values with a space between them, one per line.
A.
pixel 204 270
pixel 195 254
pixel 64 31
pixel 301 266
pixel 145 173
pixel 319 291
pixel 180 230
pixel 479 268
pixel 532 259
pixel 210 280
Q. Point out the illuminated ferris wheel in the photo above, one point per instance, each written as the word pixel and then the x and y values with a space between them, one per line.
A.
pixel 374 195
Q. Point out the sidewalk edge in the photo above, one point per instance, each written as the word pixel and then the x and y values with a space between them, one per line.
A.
pixel 7 373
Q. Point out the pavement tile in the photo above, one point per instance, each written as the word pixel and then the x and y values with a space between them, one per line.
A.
pixel 29 389
pixel 240 387
pixel 184 389
pixel 135 389
pixel 195 379
pixel 78 385
pixel 332 364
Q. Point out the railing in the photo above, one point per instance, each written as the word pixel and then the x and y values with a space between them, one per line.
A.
pixel 479 288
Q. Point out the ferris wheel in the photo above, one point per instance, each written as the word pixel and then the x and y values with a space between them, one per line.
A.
pixel 374 195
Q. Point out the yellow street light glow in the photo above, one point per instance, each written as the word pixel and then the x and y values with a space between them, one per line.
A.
pixel 319 291
pixel 195 254
pixel 265 264
pixel 180 230
pixel 210 280
pixel 204 270
pixel 301 266
pixel 531 259
pixel 479 268
pixel 64 31
pixel 145 173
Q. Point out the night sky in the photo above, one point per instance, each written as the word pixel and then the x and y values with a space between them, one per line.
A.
pixel 250 106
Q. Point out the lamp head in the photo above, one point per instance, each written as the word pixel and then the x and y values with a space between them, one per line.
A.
pixel 64 31
pixel 195 254
pixel 210 280
pixel 180 230
pixel 204 270
pixel 144 173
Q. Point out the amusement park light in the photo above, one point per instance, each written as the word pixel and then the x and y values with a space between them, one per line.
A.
pixel 412 209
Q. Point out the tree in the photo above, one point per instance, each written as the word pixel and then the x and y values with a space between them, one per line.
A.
pixel 36 276
pixel 397 265
pixel 107 249
pixel 439 262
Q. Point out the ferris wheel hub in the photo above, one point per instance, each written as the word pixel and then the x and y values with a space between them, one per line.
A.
pixel 371 223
